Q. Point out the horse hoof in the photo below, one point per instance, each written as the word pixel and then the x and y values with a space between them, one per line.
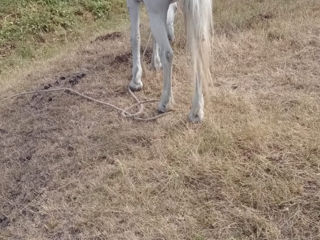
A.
pixel 162 108
pixel 196 118
pixel 135 87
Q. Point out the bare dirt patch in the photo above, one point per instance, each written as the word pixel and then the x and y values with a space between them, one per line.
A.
pixel 109 36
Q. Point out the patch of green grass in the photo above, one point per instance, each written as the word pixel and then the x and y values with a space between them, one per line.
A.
pixel 199 238
pixel 28 24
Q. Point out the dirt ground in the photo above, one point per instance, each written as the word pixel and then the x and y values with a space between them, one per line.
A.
pixel 73 169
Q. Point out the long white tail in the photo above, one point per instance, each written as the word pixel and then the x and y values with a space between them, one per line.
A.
pixel 199 27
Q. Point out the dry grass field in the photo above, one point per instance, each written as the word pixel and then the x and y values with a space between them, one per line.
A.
pixel 73 169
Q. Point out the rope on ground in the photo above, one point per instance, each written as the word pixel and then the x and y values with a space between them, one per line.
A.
pixel 124 112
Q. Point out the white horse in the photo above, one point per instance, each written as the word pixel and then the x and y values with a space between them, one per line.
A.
pixel 198 18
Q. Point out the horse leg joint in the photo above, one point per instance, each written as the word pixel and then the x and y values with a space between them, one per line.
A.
pixel 169 55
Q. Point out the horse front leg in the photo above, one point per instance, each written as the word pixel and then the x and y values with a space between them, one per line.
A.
pixel 159 31
pixel 133 7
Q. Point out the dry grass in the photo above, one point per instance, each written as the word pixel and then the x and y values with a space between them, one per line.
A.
pixel 71 169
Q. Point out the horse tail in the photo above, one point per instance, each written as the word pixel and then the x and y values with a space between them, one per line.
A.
pixel 199 29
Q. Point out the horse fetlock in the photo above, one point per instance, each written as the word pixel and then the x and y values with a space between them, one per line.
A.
pixel 165 103
pixel 197 114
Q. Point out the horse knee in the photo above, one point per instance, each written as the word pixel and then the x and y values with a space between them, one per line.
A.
pixel 167 57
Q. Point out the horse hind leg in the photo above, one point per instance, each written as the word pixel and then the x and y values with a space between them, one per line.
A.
pixel 170 20
pixel 155 60
pixel 196 114
pixel 136 83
